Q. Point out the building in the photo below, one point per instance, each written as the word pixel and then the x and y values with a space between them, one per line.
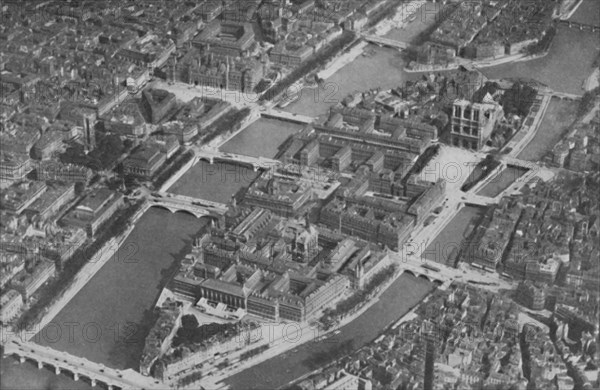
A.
pixel 282 197
pixel 543 271
pixel 18 197
pixel 372 219
pixel 94 210
pixel 157 103
pixel 167 144
pixel 231 73
pixel 149 51
pixel 55 171
pixel 560 153
pixel 126 119
pixel 89 129
pixel 221 344
pixel 531 296
pixel 473 123
pixel 310 153
pixel 49 143
pixel 341 159
pixel 14 166
pixel 429 199
pixel 209 10
pixel 144 162
pixel 27 283
pixel 51 201
pixel 290 54
pixel 349 382
pixel 10 306
pixel 226 39
pixel 375 162
pixel 160 336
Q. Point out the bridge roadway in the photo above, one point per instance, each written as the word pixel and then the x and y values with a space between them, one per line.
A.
pixel 411 261
pixel 385 41
pixel 197 207
pixel 80 367
pixel 212 155
pixel 287 116
pixel 581 26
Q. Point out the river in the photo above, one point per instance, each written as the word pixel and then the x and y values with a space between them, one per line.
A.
pixel 262 138
pixel 403 294
pixel 452 237
pixel 508 176
pixel 109 318
pixel 115 306
pixel 564 68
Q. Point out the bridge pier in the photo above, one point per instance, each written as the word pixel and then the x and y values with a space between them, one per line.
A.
pixel 93 383
pixel 57 370
pixel 109 387
pixel 255 167
pixel 21 359
pixel 40 365
pixel 75 376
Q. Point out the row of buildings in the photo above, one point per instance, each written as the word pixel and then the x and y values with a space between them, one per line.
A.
pixel 486 29
pixel 270 267
pixel 580 151
pixel 548 231
pixel 462 338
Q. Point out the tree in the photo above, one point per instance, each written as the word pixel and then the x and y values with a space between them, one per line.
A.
pixel 189 321
pixel 518 99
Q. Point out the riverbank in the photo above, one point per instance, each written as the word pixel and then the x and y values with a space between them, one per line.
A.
pixel 521 57
pixel 343 60
pixel 287 367
pixel 403 16
pixel 411 314
pixel 593 81
pixel 571 9
pixel 307 333
pixel 85 274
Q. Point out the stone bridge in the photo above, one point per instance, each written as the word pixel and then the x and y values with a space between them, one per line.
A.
pixel 580 26
pixel 385 42
pixel 197 207
pixel 212 156
pixel 79 368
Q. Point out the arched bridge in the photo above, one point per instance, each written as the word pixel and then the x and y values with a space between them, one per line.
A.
pixel 423 273
pixel 212 156
pixel 196 207
pixel 78 367
pixel 385 42
pixel 580 26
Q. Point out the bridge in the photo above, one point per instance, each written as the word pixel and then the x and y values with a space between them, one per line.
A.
pixel 385 42
pixel 287 116
pixel 411 260
pixel 418 270
pixel 567 96
pixel 196 207
pixel 580 26
pixel 256 163
pixel 94 373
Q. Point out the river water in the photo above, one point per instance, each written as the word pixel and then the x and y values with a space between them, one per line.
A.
pixel 109 318
pixel 452 237
pixel 262 138
pixel 403 294
pixel 501 182
pixel 564 68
